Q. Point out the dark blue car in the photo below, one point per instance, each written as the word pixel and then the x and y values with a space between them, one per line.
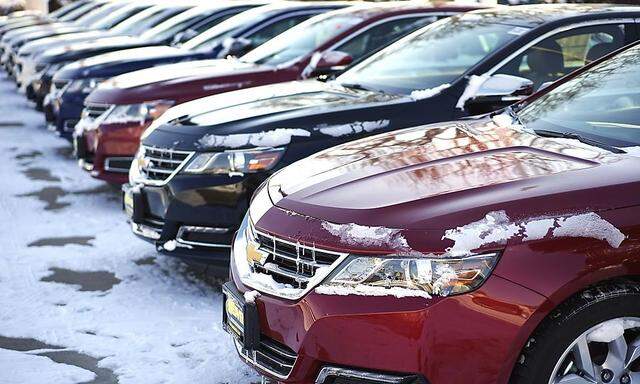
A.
pixel 73 83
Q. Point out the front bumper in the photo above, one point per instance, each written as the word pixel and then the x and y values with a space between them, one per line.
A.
pixel 471 338
pixel 107 152
pixel 196 214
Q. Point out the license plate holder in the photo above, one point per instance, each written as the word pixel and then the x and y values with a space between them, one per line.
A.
pixel 133 203
pixel 240 318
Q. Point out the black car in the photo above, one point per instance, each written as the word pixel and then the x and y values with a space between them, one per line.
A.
pixel 37 72
pixel 257 25
pixel 200 163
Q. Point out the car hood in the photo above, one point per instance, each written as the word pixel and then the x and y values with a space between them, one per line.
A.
pixel 42 45
pixel 115 63
pixel 84 48
pixel 178 81
pixel 443 176
pixel 44 30
pixel 250 110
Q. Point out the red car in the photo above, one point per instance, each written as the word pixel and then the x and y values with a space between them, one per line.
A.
pixel 120 110
pixel 500 249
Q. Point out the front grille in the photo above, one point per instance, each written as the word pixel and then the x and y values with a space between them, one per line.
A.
pixel 158 164
pixel 271 356
pixel 94 111
pixel 292 263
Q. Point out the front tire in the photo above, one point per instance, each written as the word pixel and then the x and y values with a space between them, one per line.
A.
pixel 594 337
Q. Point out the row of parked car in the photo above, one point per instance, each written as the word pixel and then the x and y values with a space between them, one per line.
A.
pixel 288 143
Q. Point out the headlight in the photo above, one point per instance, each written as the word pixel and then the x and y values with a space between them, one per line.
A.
pixel 83 85
pixel 137 112
pixel 422 275
pixel 235 162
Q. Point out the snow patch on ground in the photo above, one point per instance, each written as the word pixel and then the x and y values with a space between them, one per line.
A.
pixel 420 94
pixel 352 128
pixel 275 138
pixel 20 368
pixel 157 324
pixel 497 228
pixel 360 235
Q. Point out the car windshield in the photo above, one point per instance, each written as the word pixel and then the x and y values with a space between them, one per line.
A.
pixel 81 11
pixel 301 40
pixel 119 16
pixel 227 28
pixel 437 54
pixel 66 9
pixel 175 24
pixel 145 20
pixel 601 104
pixel 99 14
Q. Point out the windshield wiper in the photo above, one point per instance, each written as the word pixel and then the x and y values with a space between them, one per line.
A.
pixel 359 87
pixel 575 136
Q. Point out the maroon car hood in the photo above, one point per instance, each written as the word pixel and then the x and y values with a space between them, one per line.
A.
pixel 447 175
pixel 182 81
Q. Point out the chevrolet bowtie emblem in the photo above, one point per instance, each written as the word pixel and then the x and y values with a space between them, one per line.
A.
pixel 254 255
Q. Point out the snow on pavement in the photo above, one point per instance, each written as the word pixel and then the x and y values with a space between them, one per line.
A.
pixel 72 275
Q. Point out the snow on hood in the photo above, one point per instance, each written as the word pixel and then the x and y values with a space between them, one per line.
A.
pixel 274 138
pixel 360 235
pixel 420 94
pixel 352 128
pixel 497 228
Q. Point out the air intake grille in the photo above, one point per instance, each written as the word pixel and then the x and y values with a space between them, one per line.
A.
pixel 158 164
pixel 271 356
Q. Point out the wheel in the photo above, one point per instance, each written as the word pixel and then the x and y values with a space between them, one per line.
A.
pixel 592 338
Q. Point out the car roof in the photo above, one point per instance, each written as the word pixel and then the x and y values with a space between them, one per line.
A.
pixel 539 14
pixel 372 10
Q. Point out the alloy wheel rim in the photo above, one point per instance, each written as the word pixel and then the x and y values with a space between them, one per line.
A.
pixel 608 352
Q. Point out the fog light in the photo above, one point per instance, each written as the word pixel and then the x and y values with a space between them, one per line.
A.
pixel 334 375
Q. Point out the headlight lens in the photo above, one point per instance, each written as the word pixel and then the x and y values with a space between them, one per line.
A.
pixel 235 162
pixel 84 85
pixel 137 112
pixel 430 276
pixel 51 69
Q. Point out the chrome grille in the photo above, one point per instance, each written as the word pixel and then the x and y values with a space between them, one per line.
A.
pixel 93 111
pixel 292 263
pixel 159 164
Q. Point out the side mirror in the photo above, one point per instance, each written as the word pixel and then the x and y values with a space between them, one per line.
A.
pixel 330 62
pixel 497 92
pixel 235 47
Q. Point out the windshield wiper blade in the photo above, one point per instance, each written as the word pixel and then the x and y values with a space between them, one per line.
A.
pixel 575 136
pixel 359 87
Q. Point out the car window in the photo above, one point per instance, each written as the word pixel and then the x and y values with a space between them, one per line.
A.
pixel 302 39
pixel 203 25
pixel 438 54
pixel 602 103
pixel 272 30
pixel 565 52
pixel 380 35
pixel 146 19
pixel 118 17
pixel 81 11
